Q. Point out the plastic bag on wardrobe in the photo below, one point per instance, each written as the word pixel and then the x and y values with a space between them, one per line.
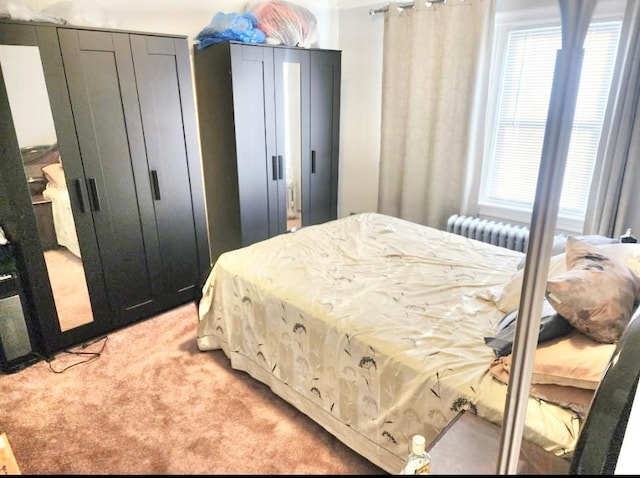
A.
pixel 285 23
pixel 230 26
pixel 88 13
pixel 18 10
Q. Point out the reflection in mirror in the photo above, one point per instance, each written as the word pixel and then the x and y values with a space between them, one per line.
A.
pixel 35 131
pixel 293 143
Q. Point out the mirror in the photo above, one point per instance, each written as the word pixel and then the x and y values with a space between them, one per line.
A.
pixel 293 143
pixel 44 173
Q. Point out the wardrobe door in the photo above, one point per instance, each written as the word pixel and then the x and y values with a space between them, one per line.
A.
pixel 258 165
pixel 101 81
pixel 65 280
pixel 164 88
pixel 325 129
pixel 291 83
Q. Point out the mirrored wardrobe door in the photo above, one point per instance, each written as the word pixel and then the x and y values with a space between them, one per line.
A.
pixel 45 175
pixel 292 143
pixel 291 75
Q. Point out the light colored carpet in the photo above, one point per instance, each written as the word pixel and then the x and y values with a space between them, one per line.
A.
pixel 153 404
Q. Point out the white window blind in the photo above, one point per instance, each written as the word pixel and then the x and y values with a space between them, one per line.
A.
pixel 514 149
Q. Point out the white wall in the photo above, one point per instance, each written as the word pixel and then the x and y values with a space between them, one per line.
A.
pixel 361 44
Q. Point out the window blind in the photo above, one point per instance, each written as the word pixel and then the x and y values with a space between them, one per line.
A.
pixel 516 141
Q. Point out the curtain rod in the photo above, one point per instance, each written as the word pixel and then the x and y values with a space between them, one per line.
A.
pixel 402 6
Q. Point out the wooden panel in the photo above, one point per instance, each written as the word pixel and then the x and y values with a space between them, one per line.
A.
pixel 106 112
pixel 189 122
pixel 16 211
pixel 252 68
pixel 212 67
pixel 70 155
pixel 164 132
pixel 325 118
pixel 8 463
pixel 18 34
pixel 241 133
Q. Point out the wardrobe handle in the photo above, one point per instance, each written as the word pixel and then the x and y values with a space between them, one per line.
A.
pixel 155 185
pixel 280 168
pixel 78 184
pixel 274 168
pixel 94 199
pixel 313 161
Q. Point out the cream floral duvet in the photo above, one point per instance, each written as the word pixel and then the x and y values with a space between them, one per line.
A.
pixel 373 326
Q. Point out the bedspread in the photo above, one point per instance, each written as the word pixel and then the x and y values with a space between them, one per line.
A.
pixel 373 326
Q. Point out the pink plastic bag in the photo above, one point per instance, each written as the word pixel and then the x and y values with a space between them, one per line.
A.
pixel 284 23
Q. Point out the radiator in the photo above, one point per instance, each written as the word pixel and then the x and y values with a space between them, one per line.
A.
pixel 494 232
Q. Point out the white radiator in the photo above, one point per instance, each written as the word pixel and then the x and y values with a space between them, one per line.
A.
pixel 494 232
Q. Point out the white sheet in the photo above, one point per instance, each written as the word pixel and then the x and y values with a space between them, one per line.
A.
pixel 63 218
pixel 373 326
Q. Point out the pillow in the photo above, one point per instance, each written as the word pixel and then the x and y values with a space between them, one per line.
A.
pixel 597 293
pixel 508 297
pixel 560 243
pixel 55 175
pixel 574 360
pixel 576 399
pixel 552 325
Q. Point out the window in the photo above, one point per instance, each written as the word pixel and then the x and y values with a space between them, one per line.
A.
pixel 525 58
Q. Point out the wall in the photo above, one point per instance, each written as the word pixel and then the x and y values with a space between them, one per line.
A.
pixel 351 30
pixel 361 44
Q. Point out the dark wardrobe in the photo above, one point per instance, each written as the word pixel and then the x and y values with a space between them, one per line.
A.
pixel 269 129
pixel 126 141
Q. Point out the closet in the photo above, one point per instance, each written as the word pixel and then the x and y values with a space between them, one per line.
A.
pixel 269 129
pixel 123 125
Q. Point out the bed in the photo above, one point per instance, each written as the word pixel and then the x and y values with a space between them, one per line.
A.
pixel 375 328
pixel 63 222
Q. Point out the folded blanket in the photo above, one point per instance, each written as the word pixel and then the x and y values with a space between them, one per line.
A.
pixel 576 399
pixel 566 370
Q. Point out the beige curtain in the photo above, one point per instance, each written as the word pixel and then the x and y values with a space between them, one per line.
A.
pixel 431 63
pixel 613 204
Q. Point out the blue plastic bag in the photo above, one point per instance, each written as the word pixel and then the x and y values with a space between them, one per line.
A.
pixel 230 26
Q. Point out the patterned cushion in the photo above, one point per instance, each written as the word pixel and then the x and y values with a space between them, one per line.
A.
pixel 597 293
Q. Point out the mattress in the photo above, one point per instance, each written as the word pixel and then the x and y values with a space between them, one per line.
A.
pixel 374 327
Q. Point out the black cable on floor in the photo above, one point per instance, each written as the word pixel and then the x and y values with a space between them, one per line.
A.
pixel 91 355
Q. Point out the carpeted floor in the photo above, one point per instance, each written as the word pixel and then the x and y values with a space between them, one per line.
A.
pixel 152 403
